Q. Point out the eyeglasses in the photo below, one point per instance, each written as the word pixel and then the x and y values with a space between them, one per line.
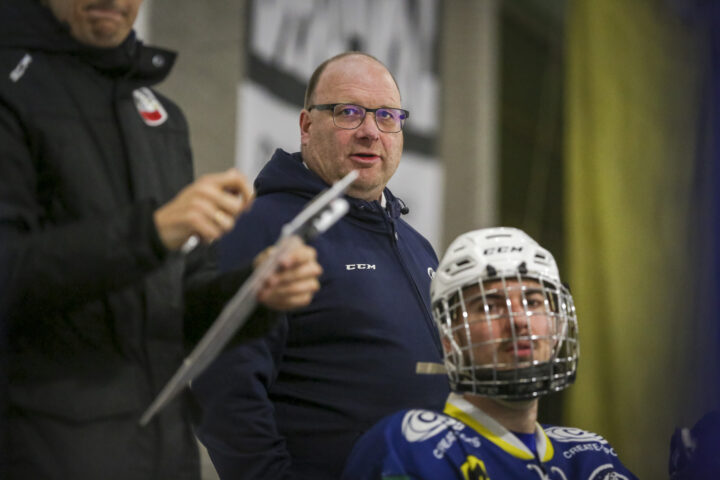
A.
pixel 350 116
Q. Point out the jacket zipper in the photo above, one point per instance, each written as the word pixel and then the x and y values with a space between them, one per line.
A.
pixel 429 322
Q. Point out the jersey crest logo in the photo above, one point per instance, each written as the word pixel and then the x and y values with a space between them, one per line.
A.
pixel 419 425
pixel 606 472
pixel 474 469
pixel 569 434
pixel 149 107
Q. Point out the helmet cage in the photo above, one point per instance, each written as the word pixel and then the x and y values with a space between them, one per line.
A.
pixel 544 299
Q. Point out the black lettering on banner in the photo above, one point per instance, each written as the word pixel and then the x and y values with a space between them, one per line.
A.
pixel 288 39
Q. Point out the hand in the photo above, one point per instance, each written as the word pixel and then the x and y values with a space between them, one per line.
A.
pixel 294 282
pixel 207 207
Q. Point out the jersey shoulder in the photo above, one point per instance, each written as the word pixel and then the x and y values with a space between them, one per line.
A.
pixel 569 441
pixel 414 426
pixel 572 435
pixel 580 453
pixel 402 445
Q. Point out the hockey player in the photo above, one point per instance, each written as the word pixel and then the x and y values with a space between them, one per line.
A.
pixel 510 335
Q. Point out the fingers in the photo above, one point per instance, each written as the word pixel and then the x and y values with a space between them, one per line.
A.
pixel 262 256
pixel 295 281
pixel 296 295
pixel 208 208
pixel 227 193
pixel 234 183
pixel 294 278
pixel 299 255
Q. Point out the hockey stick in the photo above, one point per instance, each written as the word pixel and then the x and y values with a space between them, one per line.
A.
pixel 319 215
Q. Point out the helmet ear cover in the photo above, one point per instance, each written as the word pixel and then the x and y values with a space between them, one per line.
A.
pixel 512 262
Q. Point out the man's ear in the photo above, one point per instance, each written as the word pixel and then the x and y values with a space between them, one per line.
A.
pixel 305 123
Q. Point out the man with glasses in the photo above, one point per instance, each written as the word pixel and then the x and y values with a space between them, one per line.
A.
pixel 291 404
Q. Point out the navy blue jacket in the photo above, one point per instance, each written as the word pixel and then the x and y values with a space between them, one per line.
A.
pixel 292 404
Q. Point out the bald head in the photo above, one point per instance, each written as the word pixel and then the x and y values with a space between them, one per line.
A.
pixel 315 77
pixel 355 80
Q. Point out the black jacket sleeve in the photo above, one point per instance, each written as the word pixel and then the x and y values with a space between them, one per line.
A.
pixel 56 267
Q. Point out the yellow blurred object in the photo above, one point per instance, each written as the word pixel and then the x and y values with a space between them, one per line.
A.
pixel 632 116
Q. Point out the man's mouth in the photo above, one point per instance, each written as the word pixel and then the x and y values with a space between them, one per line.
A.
pixel 364 158
pixel 105 10
pixel 524 348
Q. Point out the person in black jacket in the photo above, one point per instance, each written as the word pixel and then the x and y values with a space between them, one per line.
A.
pixel 99 297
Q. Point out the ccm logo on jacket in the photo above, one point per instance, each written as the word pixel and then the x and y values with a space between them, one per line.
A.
pixel 359 266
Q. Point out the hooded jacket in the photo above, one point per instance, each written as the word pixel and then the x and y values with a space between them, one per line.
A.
pixel 93 302
pixel 292 404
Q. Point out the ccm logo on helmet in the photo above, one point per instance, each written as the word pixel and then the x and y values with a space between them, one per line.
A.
pixel 359 266
pixel 505 249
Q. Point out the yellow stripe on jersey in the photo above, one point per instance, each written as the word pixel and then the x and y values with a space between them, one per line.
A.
pixel 459 414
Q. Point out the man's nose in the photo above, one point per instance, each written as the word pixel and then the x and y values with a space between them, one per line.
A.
pixel 368 128
pixel 518 312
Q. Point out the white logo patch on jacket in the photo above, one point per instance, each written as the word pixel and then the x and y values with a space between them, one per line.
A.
pixel 149 107
pixel 359 266
pixel 19 70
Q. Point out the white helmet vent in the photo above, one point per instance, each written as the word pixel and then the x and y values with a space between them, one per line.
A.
pixel 541 259
pixel 498 235
pixel 459 266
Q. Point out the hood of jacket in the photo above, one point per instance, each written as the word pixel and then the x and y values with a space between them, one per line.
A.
pixel 28 25
pixel 286 173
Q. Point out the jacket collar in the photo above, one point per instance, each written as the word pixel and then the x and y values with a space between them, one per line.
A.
pixel 28 25
pixel 286 172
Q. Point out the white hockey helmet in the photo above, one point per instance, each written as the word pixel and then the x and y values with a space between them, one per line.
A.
pixel 507 322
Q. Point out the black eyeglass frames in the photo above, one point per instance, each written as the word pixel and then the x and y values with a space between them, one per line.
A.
pixel 350 116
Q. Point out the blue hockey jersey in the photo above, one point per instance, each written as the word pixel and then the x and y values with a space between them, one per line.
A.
pixel 465 443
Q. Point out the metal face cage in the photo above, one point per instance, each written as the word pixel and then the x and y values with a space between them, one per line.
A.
pixel 512 336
